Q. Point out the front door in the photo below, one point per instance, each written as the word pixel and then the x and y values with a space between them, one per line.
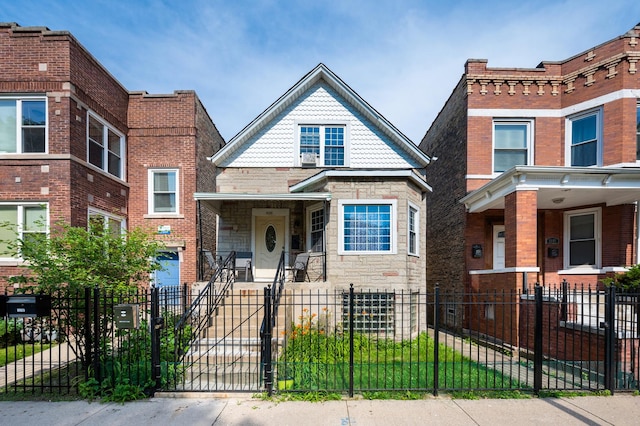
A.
pixel 167 279
pixel 269 237
pixel 498 247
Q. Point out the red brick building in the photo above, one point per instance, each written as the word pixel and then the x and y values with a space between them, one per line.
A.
pixel 75 144
pixel 538 172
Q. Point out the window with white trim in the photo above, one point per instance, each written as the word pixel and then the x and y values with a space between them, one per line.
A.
pixel 105 146
pixel 324 143
pixel 582 239
pixel 315 237
pixel 638 132
pixel 512 144
pixel 584 139
pixel 163 191
pixel 114 224
pixel 23 125
pixel 26 221
pixel 367 226
pixel 413 231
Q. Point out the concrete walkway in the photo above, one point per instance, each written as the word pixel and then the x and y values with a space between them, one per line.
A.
pixel 621 409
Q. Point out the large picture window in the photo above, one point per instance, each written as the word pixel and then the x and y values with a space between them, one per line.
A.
pixel 511 144
pixel 582 239
pixel 367 226
pixel 27 221
pixel 322 145
pixel 105 147
pixel 585 140
pixel 163 191
pixel 23 125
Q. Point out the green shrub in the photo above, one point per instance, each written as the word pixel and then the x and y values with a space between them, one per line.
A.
pixel 629 280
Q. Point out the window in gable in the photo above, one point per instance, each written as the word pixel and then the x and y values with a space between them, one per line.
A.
pixel 322 145
pixel 106 147
pixel 23 125
pixel 512 144
pixel 585 142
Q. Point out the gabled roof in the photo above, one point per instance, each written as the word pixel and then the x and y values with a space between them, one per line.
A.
pixel 320 72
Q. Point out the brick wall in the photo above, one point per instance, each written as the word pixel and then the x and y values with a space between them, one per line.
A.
pixel 445 222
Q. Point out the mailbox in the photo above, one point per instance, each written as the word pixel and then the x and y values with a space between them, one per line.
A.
pixel 30 306
pixel 126 316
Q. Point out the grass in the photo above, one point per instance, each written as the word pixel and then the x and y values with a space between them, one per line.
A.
pixel 383 367
pixel 17 352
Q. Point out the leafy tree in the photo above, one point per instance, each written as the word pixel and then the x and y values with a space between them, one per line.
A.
pixel 70 259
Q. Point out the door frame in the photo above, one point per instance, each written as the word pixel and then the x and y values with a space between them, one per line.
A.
pixel 255 212
pixel 495 231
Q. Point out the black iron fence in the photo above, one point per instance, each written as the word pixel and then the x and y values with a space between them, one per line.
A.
pixel 343 340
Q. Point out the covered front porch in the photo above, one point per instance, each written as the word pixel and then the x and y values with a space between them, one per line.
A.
pixel 547 224
pixel 259 227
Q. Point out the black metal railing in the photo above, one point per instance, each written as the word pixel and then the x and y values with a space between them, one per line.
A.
pixel 272 297
pixel 340 340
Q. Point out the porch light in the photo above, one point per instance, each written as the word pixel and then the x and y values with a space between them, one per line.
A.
pixel 557 200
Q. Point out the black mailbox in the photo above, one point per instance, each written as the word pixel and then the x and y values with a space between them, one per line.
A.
pixel 126 316
pixel 19 306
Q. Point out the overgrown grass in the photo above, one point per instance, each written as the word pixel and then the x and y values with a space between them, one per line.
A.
pixel 317 361
pixel 20 351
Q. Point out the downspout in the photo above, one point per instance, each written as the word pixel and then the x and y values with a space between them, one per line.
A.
pixel 199 248
pixel 324 241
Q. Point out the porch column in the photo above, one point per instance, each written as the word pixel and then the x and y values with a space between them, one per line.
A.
pixel 520 220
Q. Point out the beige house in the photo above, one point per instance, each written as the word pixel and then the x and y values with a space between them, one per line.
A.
pixel 320 172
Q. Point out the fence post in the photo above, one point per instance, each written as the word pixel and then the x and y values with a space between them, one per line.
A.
pixel 267 324
pixel 565 300
pixel 436 339
pixel 537 342
pixel 96 334
pixel 609 338
pixel 156 326
pixel 351 321
pixel 88 336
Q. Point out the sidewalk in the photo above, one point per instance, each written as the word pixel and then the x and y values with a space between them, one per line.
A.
pixel 623 409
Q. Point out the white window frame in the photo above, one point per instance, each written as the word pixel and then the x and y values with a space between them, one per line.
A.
pixel 310 210
pixel 92 212
pixel 416 232
pixel 597 223
pixel 638 132
pixel 529 123
pixel 19 142
pixel 320 158
pixel 394 225
pixel 105 146
pixel 20 221
pixel 568 133
pixel 151 192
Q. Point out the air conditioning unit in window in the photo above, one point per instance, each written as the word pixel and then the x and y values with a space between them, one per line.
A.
pixel 308 159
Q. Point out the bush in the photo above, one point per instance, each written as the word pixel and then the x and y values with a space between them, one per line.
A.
pixel 10 333
pixel 629 280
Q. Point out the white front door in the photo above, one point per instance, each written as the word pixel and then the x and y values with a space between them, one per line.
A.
pixel 498 247
pixel 269 241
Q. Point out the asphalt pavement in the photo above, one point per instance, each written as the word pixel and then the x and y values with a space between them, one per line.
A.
pixel 194 410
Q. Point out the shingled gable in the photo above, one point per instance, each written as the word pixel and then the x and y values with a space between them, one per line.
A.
pixel 324 74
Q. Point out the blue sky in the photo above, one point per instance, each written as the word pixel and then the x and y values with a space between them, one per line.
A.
pixel 404 57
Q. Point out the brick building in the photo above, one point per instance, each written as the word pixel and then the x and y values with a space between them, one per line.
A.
pixel 75 144
pixel 538 172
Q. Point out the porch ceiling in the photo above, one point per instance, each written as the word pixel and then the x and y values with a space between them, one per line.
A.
pixel 559 187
